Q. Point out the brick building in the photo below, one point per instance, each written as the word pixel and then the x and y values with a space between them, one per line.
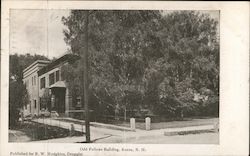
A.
pixel 46 88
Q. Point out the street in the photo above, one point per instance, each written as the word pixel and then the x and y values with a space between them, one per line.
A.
pixel 203 134
pixel 203 138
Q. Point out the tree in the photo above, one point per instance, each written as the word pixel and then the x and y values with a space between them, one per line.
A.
pixel 116 63
pixel 163 58
pixel 18 94
pixel 18 97
pixel 20 62
pixel 191 59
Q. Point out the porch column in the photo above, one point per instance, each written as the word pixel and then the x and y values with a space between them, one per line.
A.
pixel 67 102
pixel 52 102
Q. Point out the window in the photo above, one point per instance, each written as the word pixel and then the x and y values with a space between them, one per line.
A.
pixel 57 75
pixel 27 83
pixel 51 78
pixel 78 101
pixel 42 83
pixel 34 80
pixel 35 103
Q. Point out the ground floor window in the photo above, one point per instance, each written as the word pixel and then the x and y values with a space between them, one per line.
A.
pixel 78 101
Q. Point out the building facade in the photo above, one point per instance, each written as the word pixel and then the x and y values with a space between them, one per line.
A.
pixel 30 79
pixel 46 89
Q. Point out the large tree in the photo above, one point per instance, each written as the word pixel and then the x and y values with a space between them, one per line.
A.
pixel 163 58
pixel 190 65
pixel 117 40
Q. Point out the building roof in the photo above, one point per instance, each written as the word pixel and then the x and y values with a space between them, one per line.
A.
pixel 52 65
pixel 34 63
pixel 58 84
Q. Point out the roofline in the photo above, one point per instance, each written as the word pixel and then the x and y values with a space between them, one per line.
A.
pixel 69 57
pixel 34 63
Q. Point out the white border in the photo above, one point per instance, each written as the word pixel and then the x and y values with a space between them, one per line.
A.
pixel 234 76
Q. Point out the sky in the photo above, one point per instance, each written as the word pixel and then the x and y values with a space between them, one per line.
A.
pixel 29 29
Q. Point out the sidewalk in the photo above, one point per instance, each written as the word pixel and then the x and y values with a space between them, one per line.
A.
pixel 74 139
pixel 98 133
pixel 81 128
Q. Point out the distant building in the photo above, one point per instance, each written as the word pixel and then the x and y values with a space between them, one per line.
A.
pixel 46 89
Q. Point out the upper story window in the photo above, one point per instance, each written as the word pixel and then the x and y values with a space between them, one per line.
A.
pixel 57 76
pixel 34 80
pixel 42 83
pixel 51 78
pixel 27 83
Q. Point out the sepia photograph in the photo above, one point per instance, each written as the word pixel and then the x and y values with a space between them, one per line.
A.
pixel 114 76
pixel 141 78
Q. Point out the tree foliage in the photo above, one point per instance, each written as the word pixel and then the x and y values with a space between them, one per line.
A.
pixel 161 60
pixel 18 94
pixel 20 62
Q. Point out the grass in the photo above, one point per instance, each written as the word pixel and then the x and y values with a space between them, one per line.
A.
pixel 37 131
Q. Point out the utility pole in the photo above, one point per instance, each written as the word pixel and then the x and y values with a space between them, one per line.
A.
pixel 85 80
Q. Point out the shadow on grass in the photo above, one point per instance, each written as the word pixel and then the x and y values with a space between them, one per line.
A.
pixel 38 131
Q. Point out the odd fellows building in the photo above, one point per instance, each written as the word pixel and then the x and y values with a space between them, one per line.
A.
pixel 46 89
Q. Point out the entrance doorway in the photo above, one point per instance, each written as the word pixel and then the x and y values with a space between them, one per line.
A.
pixel 58 99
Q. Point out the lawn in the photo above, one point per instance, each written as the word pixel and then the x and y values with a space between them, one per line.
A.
pixel 36 131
